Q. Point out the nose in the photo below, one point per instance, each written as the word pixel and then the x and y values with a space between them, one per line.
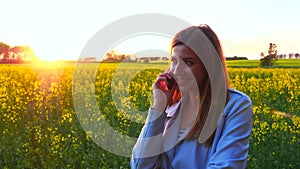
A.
pixel 177 68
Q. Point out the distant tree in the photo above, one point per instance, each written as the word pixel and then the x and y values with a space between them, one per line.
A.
pixel 236 58
pixel 297 55
pixel 165 58
pixel 16 54
pixel 114 56
pixel 25 53
pixel 270 59
pixel 88 59
pixel 280 56
pixel 147 60
pixel 262 54
pixel 272 50
pixel 4 50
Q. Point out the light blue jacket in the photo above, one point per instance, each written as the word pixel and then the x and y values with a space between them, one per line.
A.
pixel 229 148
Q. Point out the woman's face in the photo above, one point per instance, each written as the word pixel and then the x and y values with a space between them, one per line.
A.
pixel 187 68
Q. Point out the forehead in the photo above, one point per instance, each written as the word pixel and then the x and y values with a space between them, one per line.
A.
pixel 183 51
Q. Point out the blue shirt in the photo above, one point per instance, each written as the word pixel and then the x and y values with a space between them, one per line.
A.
pixel 228 150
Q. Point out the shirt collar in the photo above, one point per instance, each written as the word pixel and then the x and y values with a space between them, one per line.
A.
pixel 171 110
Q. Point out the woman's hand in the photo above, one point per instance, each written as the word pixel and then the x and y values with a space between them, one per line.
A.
pixel 163 90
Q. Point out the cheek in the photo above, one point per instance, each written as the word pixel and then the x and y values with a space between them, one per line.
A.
pixel 181 70
pixel 201 77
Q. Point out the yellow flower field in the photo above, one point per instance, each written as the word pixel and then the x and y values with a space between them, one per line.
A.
pixel 41 126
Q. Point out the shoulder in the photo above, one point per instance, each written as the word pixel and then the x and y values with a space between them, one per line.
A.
pixel 237 95
pixel 237 101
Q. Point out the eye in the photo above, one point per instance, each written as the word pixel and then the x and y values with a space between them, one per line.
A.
pixel 174 61
pixel 188 62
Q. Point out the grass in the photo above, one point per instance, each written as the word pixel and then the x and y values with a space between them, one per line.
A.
pixel 281 63
pixel 285 63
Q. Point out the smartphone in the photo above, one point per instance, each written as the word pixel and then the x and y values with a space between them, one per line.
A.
pixel 170 83
pixel 167 84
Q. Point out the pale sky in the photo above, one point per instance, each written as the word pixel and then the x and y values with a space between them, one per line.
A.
pixel 60 29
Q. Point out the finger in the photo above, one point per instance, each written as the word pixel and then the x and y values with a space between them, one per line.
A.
pixel 158 81
pixel 171 74
pixel 162 75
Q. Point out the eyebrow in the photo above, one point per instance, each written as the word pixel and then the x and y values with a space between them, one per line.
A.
pixel 184 58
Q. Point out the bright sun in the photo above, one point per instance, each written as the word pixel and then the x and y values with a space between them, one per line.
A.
pixel 49 58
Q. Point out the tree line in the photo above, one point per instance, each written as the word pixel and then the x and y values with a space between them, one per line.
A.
pixel 236 58
pixel 114 56
pixel 16 54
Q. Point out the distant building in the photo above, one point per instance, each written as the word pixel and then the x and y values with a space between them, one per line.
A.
pixel 88 59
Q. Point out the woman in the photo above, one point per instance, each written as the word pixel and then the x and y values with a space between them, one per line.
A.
pixel 196 119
